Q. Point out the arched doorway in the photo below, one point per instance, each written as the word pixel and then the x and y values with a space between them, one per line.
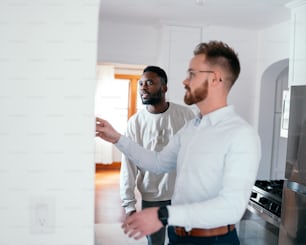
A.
pixel 274 81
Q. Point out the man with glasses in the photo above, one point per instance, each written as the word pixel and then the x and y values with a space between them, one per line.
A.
pixel 151 128
pixel 216 156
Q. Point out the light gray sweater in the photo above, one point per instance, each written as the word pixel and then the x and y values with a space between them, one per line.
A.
pixel 151 131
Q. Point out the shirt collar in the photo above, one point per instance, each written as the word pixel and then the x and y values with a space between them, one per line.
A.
pixel 214 117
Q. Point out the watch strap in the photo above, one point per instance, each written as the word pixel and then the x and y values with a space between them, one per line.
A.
pixel 163 215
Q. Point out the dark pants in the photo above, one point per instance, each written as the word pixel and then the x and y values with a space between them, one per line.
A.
pixel 157 238
pixel 230 238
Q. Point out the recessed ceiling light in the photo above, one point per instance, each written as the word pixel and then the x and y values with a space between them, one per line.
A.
pixel 200 2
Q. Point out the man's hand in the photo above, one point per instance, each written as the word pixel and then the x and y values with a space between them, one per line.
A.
pixel 142 223
pixel 105 131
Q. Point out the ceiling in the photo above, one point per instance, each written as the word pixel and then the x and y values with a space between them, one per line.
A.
pixel 246 14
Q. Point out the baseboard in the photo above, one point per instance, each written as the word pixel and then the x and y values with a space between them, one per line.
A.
pixel 113 166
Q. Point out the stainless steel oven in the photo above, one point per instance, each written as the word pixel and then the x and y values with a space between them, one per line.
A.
pixel 266 200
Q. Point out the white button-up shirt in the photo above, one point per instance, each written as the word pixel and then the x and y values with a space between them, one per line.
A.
pixel 216 157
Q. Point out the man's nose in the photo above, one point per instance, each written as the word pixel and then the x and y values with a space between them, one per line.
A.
pixel 185 81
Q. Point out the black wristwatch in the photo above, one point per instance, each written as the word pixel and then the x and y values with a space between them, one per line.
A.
pixel 163 215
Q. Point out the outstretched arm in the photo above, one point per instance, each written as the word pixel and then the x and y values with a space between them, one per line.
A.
pixel 156 162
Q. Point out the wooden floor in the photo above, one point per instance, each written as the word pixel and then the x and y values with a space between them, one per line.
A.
pixel 108 210
pixel 107 199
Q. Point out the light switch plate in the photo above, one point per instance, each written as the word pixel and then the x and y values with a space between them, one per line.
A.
pixel 42 215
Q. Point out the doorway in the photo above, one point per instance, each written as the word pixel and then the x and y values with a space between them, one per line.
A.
pixel 279 143
pixel 120 92
pixel 116 100
pixel 274 82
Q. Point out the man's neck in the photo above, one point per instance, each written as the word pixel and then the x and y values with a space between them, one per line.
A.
pixel 206 108
pixel 158 108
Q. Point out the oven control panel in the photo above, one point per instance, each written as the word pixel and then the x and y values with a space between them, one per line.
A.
pixel 267 202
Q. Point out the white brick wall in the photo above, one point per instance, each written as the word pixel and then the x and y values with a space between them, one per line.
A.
pixel 47 73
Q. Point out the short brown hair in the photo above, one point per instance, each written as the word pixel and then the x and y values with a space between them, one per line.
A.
pixel 219 53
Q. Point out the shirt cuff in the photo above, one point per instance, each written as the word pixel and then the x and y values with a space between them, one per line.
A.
pixel 129 209
pixel 122 142
pixel 177 217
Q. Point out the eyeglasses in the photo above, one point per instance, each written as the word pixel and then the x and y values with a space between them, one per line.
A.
pixel 192 73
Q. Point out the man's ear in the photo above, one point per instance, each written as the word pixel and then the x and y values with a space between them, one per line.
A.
pixel 165 88
pixel 217 78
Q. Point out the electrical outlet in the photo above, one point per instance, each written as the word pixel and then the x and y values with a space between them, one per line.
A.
pixel 42 215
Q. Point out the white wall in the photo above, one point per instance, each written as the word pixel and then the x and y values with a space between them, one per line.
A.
pixel 127 43
pixel 47 74
pixel 297 73
pixel 176 49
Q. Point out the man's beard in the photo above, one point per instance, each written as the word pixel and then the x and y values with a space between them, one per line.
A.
pixel 153 98
pixel 197 96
